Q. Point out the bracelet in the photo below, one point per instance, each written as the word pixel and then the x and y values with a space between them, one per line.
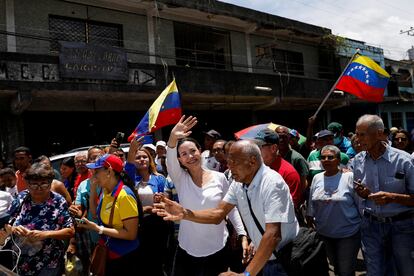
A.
pixel 101 228
pixel 246 273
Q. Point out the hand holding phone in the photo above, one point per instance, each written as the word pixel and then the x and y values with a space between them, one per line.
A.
pixel 79 221
pixel 361 189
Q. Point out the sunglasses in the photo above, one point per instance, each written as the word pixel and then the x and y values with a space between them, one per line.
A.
pixel 327 157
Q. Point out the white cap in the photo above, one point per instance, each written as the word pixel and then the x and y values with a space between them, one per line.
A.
pixel 161 144
pixel 150 146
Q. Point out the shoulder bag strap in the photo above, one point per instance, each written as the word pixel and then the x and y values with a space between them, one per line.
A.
pixel 257 222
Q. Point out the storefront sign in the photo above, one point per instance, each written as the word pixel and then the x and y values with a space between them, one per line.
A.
pixel 85 61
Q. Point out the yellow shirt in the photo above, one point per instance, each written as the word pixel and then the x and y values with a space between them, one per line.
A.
pixel 125 207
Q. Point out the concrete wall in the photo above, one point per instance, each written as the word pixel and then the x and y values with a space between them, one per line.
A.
pixel 134 26
pixel 238 51
pixel 310 55
pixel 3 40
pixel 164 40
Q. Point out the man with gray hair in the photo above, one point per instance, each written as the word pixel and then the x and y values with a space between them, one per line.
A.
pixel 385 183
pixel 262 198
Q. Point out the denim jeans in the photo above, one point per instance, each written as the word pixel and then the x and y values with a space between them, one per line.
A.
pixel 388 247
pixel 273 268
pixel 342 253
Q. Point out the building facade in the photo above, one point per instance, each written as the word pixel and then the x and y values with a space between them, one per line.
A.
pixel 74 72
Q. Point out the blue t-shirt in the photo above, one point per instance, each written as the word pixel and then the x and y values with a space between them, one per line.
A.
pixel 334 206
pixel 156 182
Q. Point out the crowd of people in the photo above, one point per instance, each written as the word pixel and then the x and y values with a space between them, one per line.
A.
pixel 227 208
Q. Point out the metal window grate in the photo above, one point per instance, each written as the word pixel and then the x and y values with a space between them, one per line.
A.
pixel 104 34
pixel 62 29
pixel 70 29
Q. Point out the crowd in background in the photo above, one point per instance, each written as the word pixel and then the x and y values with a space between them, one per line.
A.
pixel 355 190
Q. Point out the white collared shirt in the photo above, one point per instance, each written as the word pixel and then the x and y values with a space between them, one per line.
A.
pixel 271 202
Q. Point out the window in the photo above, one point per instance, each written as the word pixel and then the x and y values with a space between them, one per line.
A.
pixel 404 78
pixel 384 117
pixel 410 120
pixel 287 62
pixel 71 29
pixel 396 119
pixel 201 46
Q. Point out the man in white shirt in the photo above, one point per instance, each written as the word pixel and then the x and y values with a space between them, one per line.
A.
pixel 268 195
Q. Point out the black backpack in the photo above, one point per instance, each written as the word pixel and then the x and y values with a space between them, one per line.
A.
pixel 307 255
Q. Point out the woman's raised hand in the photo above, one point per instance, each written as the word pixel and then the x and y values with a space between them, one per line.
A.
pixel 135 145
pixel 183 128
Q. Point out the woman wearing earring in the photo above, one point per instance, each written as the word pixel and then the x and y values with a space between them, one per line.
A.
pixel 202 247
pixel 118 212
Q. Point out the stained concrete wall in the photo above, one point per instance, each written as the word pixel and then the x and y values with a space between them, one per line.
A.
pixel 135 36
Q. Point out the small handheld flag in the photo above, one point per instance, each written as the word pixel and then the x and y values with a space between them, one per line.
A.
pixel 166 110
pixel 365 79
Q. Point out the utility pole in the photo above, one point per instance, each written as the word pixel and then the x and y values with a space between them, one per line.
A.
pixel 408 32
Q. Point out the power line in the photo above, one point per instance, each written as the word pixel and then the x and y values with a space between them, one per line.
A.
pixel 409 32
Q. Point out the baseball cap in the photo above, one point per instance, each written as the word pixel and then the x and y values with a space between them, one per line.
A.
pixel 161 144
pixel 149 146
pixel 294 133
pixel 324 133
pixel 267 136
pixel 214 134
pixel 335 127
pixel 107 161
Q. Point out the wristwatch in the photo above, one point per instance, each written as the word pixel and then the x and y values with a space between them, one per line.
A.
pixel 246 273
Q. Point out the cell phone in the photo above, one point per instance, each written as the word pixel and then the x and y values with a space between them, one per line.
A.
pixel 119 137
pixel 356 183
pixel 79 221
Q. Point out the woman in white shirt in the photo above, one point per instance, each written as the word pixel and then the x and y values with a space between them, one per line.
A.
pixel 202 247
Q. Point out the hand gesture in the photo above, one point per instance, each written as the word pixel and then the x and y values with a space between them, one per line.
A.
pixel 381 198
pixel 182 128
pixel 87 224
pixel 21 231
pixel 134 146
pixel 75 210
pixel 361 190
pixel 245 246
pixel 36 235
pixel 168 209
pixel 114 143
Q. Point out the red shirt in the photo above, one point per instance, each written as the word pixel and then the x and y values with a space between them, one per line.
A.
pixel 78 180
pixel 20 182
pixel 291 177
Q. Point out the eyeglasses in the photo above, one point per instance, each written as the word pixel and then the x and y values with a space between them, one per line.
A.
pixel 80 162
pixel 402 139
pixel 39 186
pixel 327 157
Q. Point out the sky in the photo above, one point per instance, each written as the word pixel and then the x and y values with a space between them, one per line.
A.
pixel 376 22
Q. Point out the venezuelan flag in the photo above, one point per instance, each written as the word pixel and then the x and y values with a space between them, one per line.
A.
pixel 166 110
pixel 365 79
